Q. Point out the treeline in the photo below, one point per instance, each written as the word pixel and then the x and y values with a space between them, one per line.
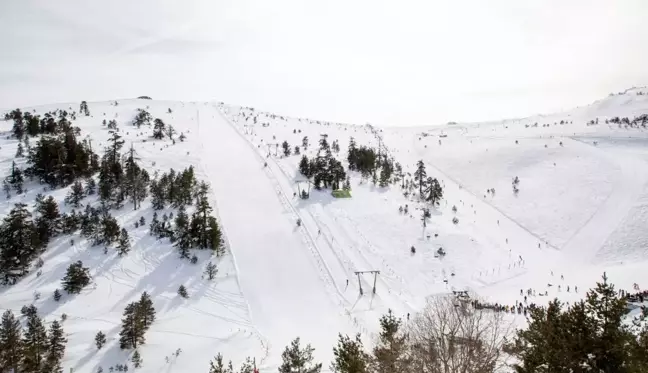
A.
pixel 451 335
pixel 641 120
pixel 33 348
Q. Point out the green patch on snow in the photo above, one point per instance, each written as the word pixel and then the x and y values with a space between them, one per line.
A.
pixel 341 193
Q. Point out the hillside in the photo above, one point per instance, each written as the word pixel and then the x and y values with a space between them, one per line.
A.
pixel 288 266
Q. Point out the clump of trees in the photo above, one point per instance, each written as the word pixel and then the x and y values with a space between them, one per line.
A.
pixel 371 163
pixel 137 319
pixel 60 160
pixel 324 170
pixel 447 336
pixel 197 230
pixel 430 189
pixel 587 336
pixel 32 348
pixel 120 176
pixel 142 117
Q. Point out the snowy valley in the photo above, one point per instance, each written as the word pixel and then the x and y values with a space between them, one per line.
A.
pixel 536 207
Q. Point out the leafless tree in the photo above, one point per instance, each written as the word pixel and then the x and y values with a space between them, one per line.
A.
pixel 450 336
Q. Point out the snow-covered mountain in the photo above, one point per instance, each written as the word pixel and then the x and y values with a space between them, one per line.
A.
pixel 581 208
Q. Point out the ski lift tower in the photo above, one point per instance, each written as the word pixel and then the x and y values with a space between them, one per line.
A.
pixel 375 273
pixel 299 190
pixel 276 147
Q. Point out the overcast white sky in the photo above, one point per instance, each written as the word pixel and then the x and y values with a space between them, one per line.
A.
pixel 398 62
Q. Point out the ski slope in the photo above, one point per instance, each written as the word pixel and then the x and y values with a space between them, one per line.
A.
pixel 581 210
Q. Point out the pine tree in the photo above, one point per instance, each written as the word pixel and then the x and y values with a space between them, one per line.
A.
pixel 100 339
pixel 204 229
pixel 158 129
pixel 136 359
pixel 136 179
pixel 420 176
pixel 390 353
pixel 91 186
pixel 18 129
pixel 16 178
pixel 434 190
pixel 34 345
pixel 286 148
pixel 611 334
pixel 217 366
pixel 49 223
pixel 20 151
pixel 55 348
pixel 350 356
pixel 123 245
pixel 18 243
pixel 11 346
pixel 83 108
pixel 305 142
pixel 132 333
pixel 76 278
pixel 182 291
pixel 304 166
pixel 57 295
pixel 170 132
pixel 298 360
pixel 145 311
pixel 182 233
pixel 211 270
pixel 76 194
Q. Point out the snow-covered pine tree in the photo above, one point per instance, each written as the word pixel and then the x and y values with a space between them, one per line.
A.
pixel 123 244
pixel 76 278
pixel 211 270
pixel 286 148
pixel 20 150
pixel 76 194
pixel 100 339
pixel 11 344
pixel 390 353
pixel 16 178
pixel 132 332
pixel 19 244
pixel 34 345
pixel 298 360
pixel 182 234
pixel 145 311
pixel 182 291
pixel 90 186
pixel 136 360
pixel 350 356
pixel 304 166
pixel 55 348
pixel 420 176
pixel 435 192
pixel 159 129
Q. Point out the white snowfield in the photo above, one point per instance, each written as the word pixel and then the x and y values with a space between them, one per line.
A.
pixel 581 209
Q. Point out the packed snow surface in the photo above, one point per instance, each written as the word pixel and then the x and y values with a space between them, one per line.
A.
pixel 581 209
